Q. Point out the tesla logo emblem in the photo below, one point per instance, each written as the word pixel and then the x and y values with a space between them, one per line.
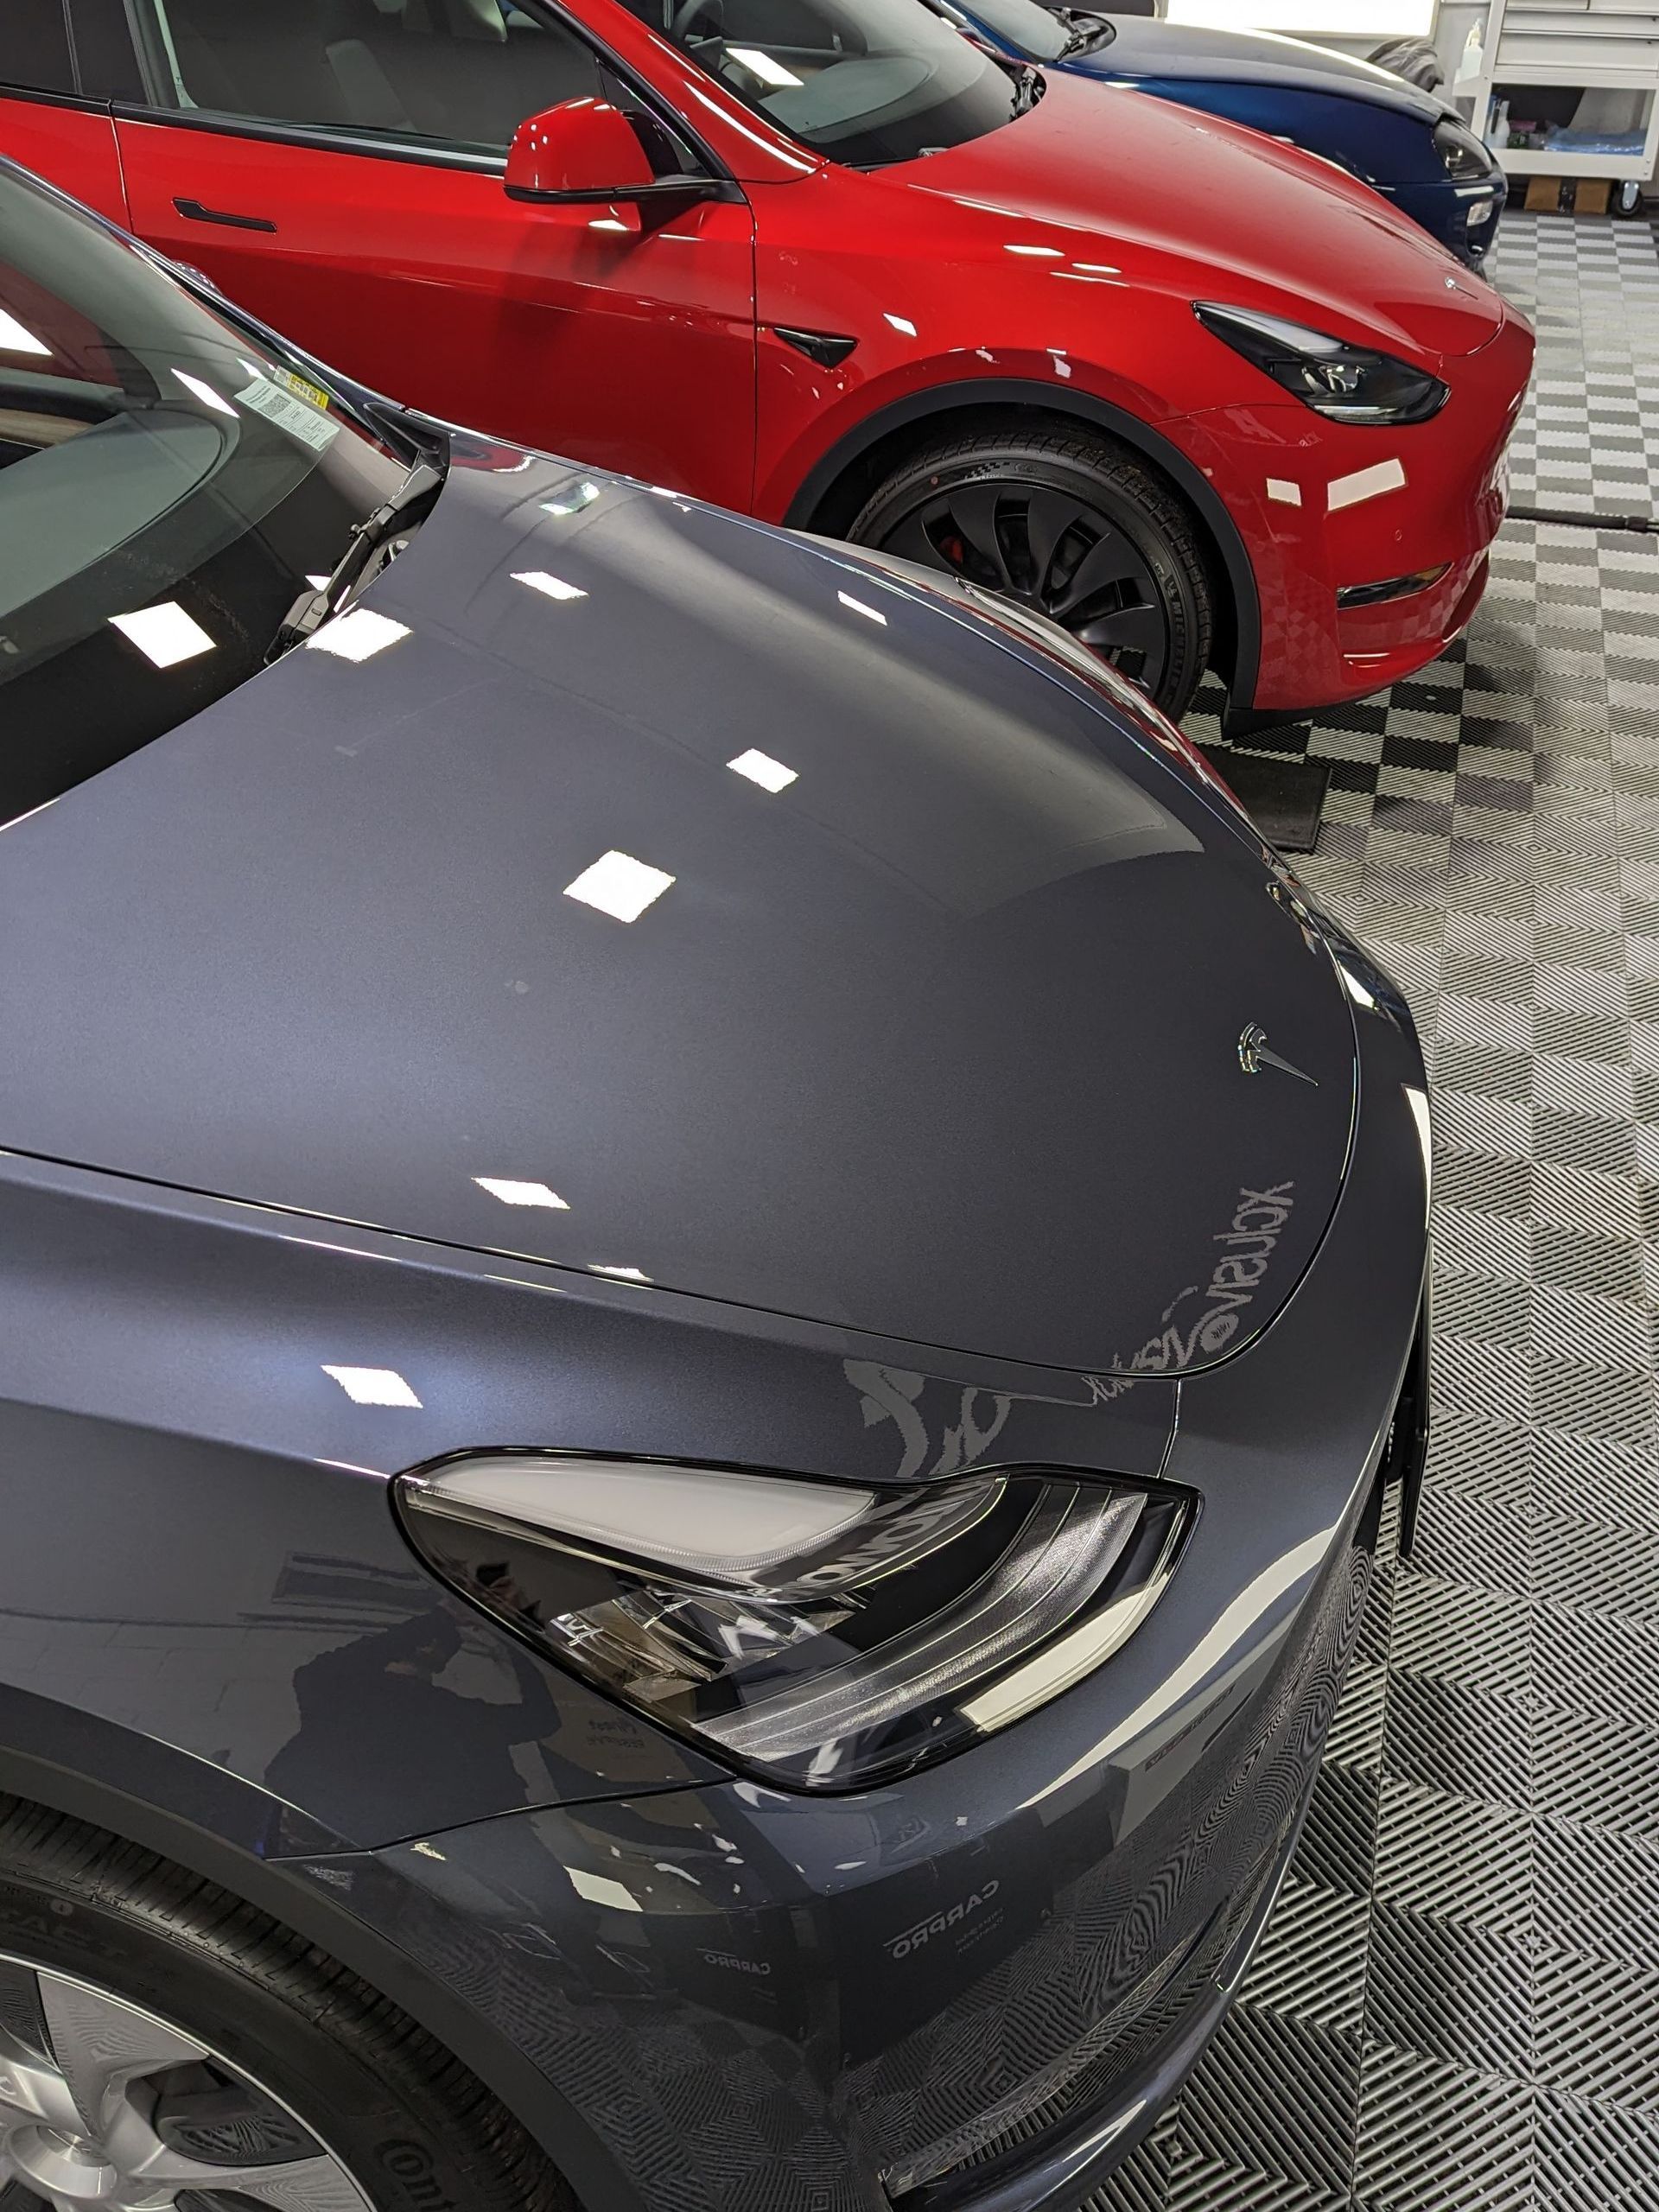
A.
pixel 1254 1055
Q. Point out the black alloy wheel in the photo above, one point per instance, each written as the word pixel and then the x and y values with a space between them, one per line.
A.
pixel 1069 526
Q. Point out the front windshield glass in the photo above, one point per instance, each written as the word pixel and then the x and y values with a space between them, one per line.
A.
pixel 1034 31
pixel 167 487
pixel 1041 34
pixel 863 81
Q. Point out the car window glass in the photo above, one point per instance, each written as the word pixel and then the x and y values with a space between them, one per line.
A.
pixel 866 82
pixel 462 73
pixel 106 60
pixel 35 45
pixel 168 487
pixel 1036 31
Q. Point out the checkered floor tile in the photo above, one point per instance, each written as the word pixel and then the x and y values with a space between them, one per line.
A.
pixel 1457 2007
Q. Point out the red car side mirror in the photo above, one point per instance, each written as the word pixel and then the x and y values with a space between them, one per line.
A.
pixel 582 150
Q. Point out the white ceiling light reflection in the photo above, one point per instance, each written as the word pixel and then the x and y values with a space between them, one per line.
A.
pixel 14 339
pixel 902 324
pixel 761 768
pixel 870 613
pixel 550 587
pixel 763 66
pixel 572 502
pixel 521 1194
pixel 618 884
pixel 619 1275
pixel 1039 252
pixel 358 635
pixel 199 388
pixel 372 1386
pixel 1359 992
pixel 164 634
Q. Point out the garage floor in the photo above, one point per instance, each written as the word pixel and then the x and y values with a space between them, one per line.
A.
pixel 1457 2004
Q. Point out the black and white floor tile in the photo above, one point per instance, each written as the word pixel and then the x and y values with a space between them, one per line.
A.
pixel 1457 2007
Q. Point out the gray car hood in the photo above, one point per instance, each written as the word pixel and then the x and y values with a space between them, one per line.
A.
pixel 940 1040
pixel 1148 45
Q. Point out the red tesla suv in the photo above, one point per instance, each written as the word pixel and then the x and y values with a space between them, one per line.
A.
pixel 1193 394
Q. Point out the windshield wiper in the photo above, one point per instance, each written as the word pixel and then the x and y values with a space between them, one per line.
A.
pixel 1088 33
pixel 396 517
pixel 1028 89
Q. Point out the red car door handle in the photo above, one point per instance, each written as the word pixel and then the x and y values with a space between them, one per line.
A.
pixel 197 214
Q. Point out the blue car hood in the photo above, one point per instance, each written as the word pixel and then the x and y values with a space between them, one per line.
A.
pixel 1146 47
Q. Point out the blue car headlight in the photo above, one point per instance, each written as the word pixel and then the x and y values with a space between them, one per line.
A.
pixel 1467 159
pixel 822 1635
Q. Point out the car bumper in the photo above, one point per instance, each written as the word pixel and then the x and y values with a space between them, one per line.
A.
pixel 1062 2163
pixel 1326 509
pixel 973 1991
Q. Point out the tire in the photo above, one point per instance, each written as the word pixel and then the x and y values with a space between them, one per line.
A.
pixel 1626 201
pixel 1073 525
pixel 297 2058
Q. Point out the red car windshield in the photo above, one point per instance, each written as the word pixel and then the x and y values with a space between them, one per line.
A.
pixel 866 82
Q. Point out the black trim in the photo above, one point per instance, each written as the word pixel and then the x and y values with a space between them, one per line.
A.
pixel 1005 392
pixel 84 103
pixel 676 188
pixel 193 211
pixel 827 348
pixel 1406 1459
pixel 317 135
pixel 1391 587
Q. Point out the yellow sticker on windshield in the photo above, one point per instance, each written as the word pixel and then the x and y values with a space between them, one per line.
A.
pixel 264 396
pixel 299 387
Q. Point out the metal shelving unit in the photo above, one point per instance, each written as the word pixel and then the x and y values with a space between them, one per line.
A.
pixel 1610 46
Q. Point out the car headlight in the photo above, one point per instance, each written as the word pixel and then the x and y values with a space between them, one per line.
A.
pixel 1467 160
pixel 821 1635
pixel 1351 384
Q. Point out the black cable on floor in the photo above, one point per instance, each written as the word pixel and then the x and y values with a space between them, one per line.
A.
pixel 1587 518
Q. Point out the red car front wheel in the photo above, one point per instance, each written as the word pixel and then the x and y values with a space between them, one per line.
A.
pixel 1074 526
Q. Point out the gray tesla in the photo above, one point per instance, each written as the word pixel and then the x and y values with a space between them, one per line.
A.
pixel 706 1283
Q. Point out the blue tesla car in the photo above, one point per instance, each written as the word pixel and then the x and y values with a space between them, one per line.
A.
pixel 1411 145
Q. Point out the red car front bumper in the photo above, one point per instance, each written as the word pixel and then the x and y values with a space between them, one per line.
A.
pixel 1325 508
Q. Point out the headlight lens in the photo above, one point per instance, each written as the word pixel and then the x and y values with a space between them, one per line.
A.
pixel 822 1635
pixel 1467 161
pixel 1348 383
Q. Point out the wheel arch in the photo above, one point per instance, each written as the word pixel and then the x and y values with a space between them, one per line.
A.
pixel 200 1847
pixel 842 478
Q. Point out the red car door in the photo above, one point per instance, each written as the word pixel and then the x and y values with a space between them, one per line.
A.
pixel 336 165
pixel 55 115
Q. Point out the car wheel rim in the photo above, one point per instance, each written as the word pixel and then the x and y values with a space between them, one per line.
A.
pixel 1050 549
pixel 106 2107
